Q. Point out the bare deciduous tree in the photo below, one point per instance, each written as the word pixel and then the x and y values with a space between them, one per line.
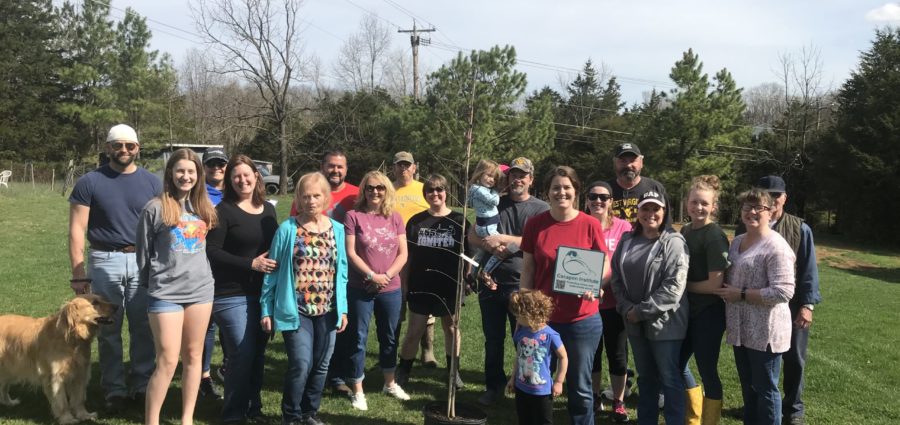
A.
pixel 362 64
pixel 260 41
pixel 398 73
pixel 764 104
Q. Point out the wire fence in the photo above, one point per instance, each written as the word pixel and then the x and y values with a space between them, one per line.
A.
pixel 58 176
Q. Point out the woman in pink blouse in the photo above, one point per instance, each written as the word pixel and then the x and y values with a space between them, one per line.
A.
pixel 598 201
pixel 759 284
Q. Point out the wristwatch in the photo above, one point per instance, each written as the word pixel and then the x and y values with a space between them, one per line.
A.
pixel 743 294
pixel 369 276
pixel 809 307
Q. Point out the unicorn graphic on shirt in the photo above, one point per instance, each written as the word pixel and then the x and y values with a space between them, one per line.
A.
pixel 530 357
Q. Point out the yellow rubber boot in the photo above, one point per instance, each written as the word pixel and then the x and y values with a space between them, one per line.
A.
pixel 693 406
pixel 712 412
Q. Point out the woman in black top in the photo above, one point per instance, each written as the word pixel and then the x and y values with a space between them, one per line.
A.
pixel 237 251
pixel 429 278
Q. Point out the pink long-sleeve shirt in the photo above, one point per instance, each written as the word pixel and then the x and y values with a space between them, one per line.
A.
pixel 767 265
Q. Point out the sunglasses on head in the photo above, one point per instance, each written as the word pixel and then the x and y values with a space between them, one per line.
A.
pixel 434 189
pixel 380 188
pixel 601 196
pixel 129 146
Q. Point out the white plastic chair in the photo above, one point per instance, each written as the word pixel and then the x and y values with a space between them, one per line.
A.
pixel 4 178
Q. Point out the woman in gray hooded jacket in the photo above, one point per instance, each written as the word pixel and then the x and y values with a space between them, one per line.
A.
pixel 649 277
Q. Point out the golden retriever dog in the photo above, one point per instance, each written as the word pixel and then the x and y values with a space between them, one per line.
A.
pixel 54 353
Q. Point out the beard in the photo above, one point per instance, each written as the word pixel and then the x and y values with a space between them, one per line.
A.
pixel 628 175
pixel 124 159
pixel 335 179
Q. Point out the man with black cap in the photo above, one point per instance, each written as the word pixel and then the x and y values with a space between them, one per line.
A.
pixel 629 185
pixel 806 295
pixel 106 205
pixel 214 161
pixel 516 207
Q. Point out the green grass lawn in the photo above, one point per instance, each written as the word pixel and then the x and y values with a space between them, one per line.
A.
pixel 853 367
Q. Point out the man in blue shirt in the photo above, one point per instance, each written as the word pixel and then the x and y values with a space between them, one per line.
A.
pixel 105 206
pixel 214 161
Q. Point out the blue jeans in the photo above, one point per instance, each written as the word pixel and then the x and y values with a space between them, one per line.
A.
pixel 309 351
pixel 494 317
pixel 238 318
pixel 114 276
pixel 794 364
pixel 209 344
pixel 657 364
pixel 580 339
pixel 361 305
pixel 704 341
pixel 758 372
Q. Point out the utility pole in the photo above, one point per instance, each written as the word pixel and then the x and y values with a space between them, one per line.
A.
pixel 414 41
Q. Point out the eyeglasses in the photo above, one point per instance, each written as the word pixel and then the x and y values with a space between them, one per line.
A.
pixel 754 208
pixel 379 188
pixel 434 189
pixel 127 145
pixel 216 164
pixel 601 196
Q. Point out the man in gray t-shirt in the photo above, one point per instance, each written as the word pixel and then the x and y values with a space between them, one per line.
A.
pixel 516 208
pixel 105 206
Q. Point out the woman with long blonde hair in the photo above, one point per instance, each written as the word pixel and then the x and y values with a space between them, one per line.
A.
pixel 172 264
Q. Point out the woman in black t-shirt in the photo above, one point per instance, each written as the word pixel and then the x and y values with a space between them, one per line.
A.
pixel 430 276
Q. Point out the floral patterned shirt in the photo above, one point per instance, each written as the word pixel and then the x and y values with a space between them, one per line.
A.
pixel 767 265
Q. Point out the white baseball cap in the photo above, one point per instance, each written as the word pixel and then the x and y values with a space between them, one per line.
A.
pixel 122 132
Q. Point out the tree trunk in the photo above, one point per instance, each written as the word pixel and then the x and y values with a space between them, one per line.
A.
pixel 283 139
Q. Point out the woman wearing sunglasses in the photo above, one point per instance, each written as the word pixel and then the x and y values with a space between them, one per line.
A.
pixel 376 248
pixel 598 202
pixel 760 282
pixel 434 237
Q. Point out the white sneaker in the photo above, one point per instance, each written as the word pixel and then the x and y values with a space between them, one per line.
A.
pixel 395 391
pixel 358 401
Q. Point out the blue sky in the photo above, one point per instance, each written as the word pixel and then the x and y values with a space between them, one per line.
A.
pixel 639 40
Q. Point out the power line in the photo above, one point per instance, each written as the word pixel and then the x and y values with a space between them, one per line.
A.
pixel 372 13
pixel 565 69
pixel 148 19
pixel 571 125
pixel 412 15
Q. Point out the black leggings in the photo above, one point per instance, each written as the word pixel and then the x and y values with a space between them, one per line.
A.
pixel 534 409
pixel 616 340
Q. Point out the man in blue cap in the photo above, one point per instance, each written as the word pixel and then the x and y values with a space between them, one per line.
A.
pixel 806 295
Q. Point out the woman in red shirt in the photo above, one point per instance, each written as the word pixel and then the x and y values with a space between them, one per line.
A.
pixel 576 317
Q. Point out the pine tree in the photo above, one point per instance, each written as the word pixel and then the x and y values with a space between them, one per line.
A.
pixel 30 127
pixel 859 165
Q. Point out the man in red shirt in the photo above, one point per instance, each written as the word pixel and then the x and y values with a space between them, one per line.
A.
pixel 343 194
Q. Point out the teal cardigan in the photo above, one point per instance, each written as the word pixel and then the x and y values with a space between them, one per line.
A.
pixel 279 299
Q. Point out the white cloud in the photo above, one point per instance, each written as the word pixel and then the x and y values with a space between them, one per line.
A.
pixel 889 12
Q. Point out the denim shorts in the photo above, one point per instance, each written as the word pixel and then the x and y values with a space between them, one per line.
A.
pixel 156 305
